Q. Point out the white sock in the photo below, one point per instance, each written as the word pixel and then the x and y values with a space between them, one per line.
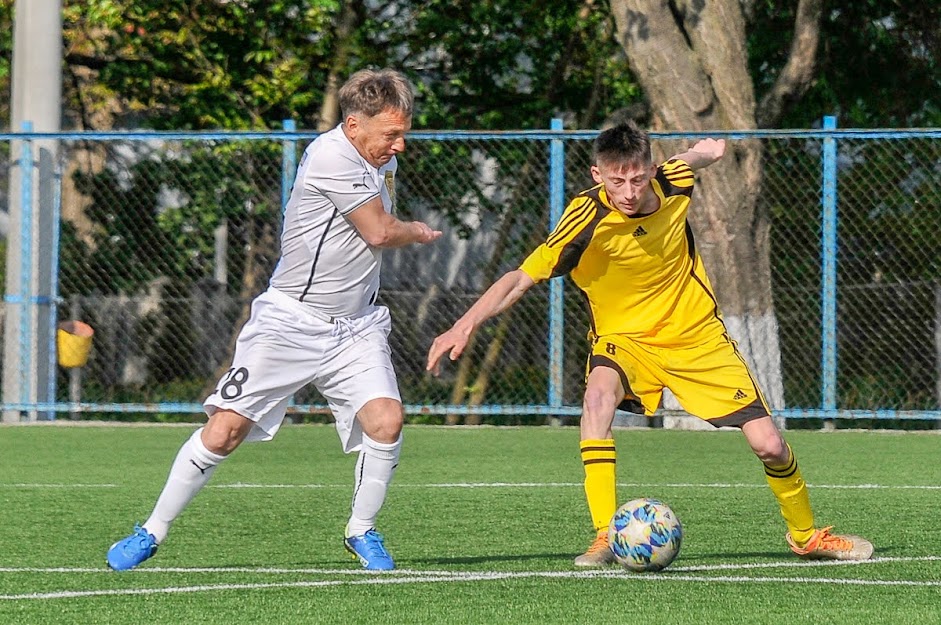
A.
pixel 193 467
pixel 374 469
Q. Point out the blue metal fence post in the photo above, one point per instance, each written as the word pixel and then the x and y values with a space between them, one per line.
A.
pixel 829 273
pixel 556 285
pixel 288 173
pixel 54 284
pixel 26 264
pixel 288 163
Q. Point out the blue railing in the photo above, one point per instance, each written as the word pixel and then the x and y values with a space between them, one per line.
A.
pixel 829 135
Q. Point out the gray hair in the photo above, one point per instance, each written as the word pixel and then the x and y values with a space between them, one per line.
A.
pixel 369 92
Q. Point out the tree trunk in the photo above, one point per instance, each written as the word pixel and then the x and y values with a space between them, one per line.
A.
pixel 330 107
pixel 479 389
pixel 262 244
pixel 460 388
pixel 692 64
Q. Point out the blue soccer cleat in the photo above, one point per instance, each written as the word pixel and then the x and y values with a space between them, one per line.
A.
pixel 370 551
pixel 131 551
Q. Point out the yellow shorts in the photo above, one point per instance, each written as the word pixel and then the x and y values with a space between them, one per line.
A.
pixel 710 381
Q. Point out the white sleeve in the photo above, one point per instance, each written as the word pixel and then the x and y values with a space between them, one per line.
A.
pixel 346 182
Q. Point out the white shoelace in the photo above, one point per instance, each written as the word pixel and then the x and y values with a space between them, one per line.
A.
pixel 343 324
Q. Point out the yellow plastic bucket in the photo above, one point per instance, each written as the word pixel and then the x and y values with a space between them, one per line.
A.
pixel 73 342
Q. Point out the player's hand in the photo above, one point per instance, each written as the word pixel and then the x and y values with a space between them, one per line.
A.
pixel 714 149
pixel 425 233
pixel 453 341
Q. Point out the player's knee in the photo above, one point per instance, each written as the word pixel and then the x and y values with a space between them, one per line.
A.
pixel 382 419
pixel 598 404
pixel 387 432
pixel 225 431
pixel 770 449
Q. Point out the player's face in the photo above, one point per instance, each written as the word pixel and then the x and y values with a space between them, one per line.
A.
pixel 380 137
pixel 627 187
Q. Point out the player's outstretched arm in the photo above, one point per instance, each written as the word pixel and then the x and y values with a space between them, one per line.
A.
pixel 703 154
pixel 380 229
pixel 500 296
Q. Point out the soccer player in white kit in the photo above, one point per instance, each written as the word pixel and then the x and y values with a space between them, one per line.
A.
pixel 317 322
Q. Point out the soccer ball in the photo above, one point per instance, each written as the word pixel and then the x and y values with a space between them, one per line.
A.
pixel 645 535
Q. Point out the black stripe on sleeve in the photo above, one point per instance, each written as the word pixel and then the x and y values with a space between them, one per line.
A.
pixel 666 182
pixel 569 223
pixel 572 251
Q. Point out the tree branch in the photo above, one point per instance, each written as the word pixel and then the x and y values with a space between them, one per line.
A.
pixel 796 76
pixel 347 24
pixel 91 62
pixel 180 73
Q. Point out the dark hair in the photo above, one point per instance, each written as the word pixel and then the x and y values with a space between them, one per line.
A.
pixel 369 92
pixel 624 144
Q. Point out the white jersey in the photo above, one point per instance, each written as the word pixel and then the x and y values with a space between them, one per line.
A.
pixel 325 262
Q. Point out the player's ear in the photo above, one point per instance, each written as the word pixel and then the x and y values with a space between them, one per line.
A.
pixel 352 124
pixel 596 174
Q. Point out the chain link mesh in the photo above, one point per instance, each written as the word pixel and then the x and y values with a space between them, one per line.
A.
pixel 164 244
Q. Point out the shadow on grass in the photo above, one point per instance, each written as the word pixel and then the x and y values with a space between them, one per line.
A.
pixel 734 556
pixel 729 557
pixel 495 558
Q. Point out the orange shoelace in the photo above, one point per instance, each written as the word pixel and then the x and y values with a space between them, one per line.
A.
pixel 600 544
pixel 829 542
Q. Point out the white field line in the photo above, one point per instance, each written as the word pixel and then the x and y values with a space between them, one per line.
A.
pixel 241 485
pixel 263 570
pixel 22 485
pixel 384 579
pixel 580 485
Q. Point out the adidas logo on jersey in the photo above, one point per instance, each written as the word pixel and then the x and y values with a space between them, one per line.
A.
pixel 640 231
pixel 740 395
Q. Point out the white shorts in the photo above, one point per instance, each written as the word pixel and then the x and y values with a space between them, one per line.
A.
pixel 284 346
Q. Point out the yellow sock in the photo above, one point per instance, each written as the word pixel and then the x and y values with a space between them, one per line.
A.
pixel 789 489
pixel 599 459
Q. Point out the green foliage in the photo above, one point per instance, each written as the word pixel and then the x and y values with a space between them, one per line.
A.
pixel 6 59
pixel 140 235
pixel 234 182
pixel 879 63
pixel 252 63
pixel 506 65
pixel 887 270
pixel 476 185
pixel 130 249
pixel 485 65
pixel 477 65
pixel 514 384
pixel 156 392
pixel 890 203
pixel 235 65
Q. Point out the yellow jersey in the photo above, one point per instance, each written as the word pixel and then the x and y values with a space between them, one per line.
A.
pixel 642 275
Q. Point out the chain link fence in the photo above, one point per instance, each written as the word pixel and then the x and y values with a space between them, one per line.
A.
pixel 160 242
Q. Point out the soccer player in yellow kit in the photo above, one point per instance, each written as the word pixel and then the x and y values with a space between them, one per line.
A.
pixel 655 324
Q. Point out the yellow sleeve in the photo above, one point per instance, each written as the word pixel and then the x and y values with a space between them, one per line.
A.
pixel 564 246
pixel 539 264
pixel 675 178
